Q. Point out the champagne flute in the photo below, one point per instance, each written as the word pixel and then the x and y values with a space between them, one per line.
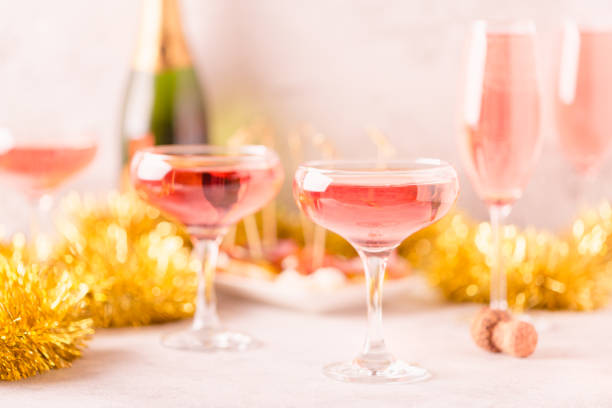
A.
pixel 375 205
pixel 499 133
pixel 38 164
pixel 209 189
pixel 583 97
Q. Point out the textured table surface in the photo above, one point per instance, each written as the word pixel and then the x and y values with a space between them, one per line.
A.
pixel 129 368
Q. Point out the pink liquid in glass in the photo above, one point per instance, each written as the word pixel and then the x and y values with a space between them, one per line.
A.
pixel 501 115
pixel 209 195
pixel 375 211
pixel 584 97
pixel 38 169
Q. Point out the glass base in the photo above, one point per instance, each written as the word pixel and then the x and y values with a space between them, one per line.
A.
pixel 209 340
pixel 396 372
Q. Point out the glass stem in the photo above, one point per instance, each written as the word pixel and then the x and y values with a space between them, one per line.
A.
pixel 578 188
pixel 588 184
pixel 207 251
pixel 39 208
pixel 34 217
pixel 374 355
pixel 498 293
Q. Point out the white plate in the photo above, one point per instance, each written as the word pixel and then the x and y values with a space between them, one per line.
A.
pixel 309 299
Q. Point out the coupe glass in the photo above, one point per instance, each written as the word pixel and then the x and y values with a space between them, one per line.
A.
pixel 375 206
pixel 499 132
pixel 209 189
pixel 583 98
pixel 37 164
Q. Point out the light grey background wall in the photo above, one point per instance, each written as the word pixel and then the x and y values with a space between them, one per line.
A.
pixel 340 65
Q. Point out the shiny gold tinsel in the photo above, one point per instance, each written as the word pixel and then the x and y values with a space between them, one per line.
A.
pixel 43 323
pixel 567 271
pixel 572 270
pixel 135 262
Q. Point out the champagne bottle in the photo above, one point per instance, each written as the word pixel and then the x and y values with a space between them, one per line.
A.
pixel 163 102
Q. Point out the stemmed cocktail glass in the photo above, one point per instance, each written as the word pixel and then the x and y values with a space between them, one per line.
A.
pixel 375 206
pixel 499 132
pixel 209 189
pixel 38 163
pixel 583 97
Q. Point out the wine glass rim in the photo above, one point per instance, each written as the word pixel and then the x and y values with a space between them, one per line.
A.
pixel 210 152
pixel 586 27
pixel 506 25
pixel 418 166
pixel 9 139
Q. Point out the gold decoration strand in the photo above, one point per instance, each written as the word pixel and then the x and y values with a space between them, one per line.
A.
pixel 568 271
pixel 571 271
pixel 43 317
pixel 135 261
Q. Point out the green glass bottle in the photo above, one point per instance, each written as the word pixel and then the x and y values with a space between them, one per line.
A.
pixel 163 103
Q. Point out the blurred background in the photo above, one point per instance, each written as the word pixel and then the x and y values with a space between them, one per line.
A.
pixel 340 66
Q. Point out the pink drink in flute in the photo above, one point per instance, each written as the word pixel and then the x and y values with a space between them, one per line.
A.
pixel 208 188
pixel 375 206
pixel 584 96
pixel 500 123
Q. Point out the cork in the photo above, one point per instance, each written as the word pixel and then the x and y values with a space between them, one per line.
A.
pixel 497 331
pixel 482 327
pixel 515 337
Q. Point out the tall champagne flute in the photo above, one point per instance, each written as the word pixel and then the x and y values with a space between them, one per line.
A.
pixel 209 189
pixel 499 132
pixel 37 163
pixel 375 206
pixel 583 97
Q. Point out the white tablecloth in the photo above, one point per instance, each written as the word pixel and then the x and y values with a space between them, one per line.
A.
pixel 572 366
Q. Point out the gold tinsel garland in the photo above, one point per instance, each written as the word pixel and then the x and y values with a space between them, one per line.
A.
pixel 43 317
pixel 124 264
pixel 572 270
pixel 568 271
pixel 135 262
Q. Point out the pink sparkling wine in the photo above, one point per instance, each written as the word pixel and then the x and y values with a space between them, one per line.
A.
pixel 584 97
pixel 37 169
pixel 203 192
pixel 377 210
pixel 500 120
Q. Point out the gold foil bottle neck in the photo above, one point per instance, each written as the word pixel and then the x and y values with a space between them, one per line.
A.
pixel 161 44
